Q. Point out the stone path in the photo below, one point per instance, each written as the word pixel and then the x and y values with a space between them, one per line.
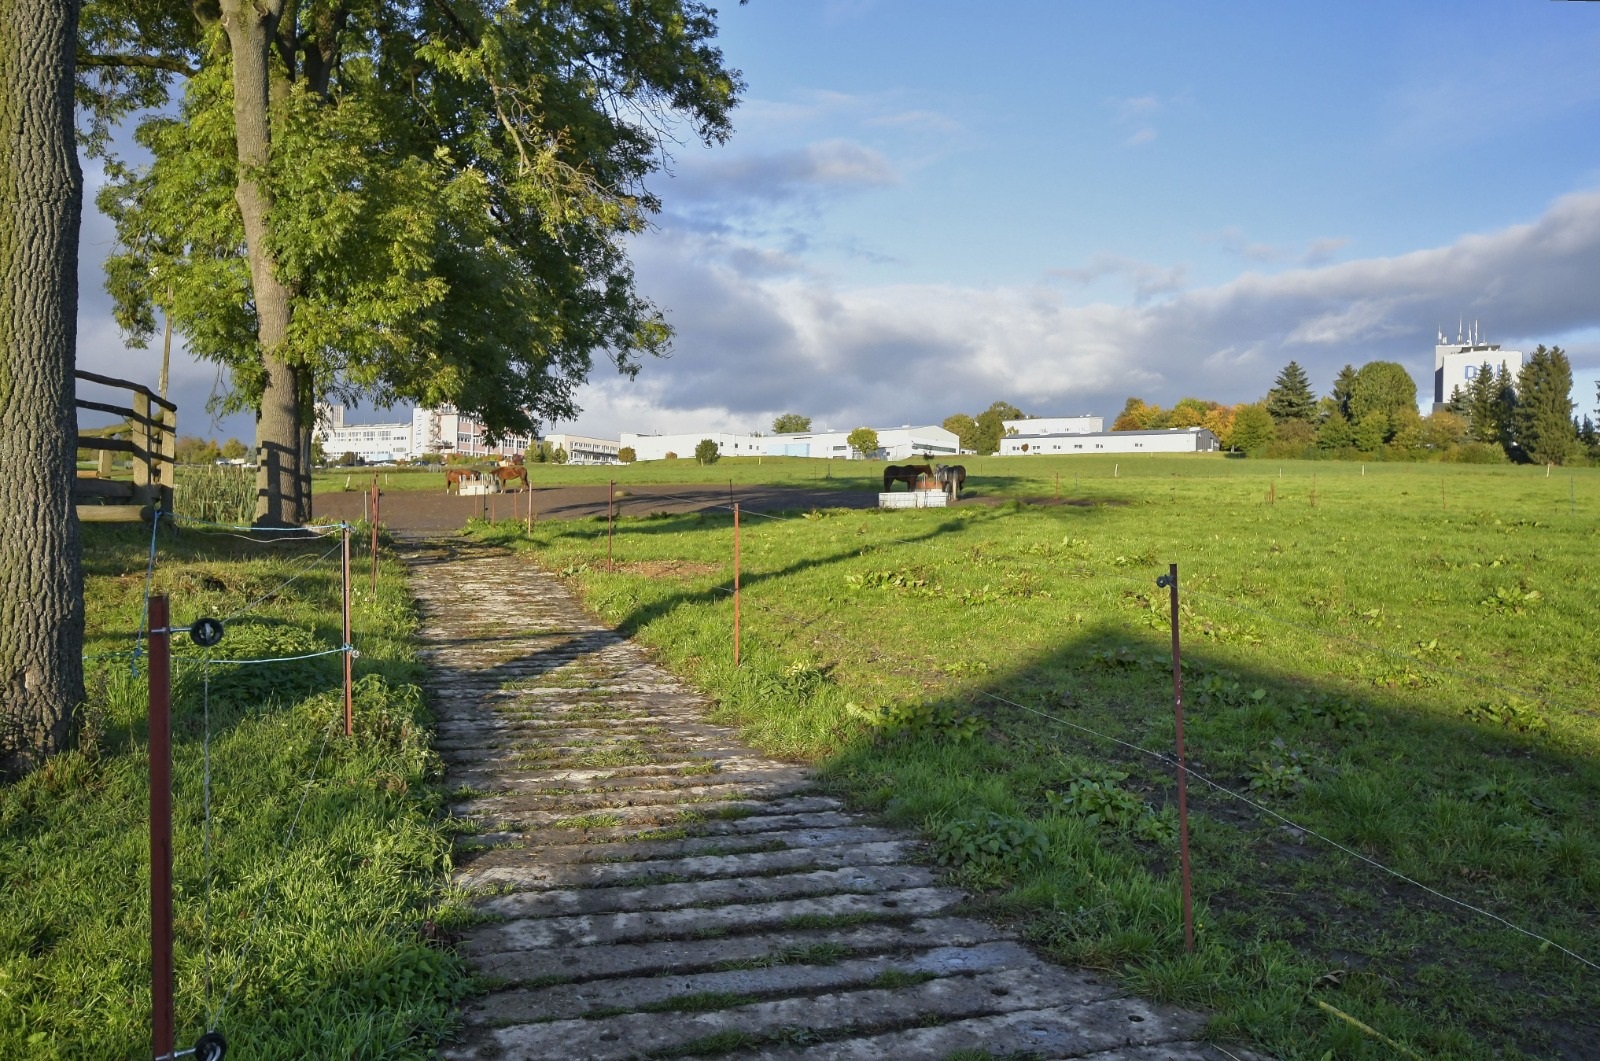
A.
pixel 650 887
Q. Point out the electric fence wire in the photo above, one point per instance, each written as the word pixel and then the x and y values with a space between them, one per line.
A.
pixel 1393 654
pixel 1191 772
pixel 149 576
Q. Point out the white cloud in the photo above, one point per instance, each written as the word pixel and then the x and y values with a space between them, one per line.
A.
pixel 750 346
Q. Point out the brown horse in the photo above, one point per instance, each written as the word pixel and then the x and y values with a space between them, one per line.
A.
pixel 904 473
pixel 507 474
pixel 454 477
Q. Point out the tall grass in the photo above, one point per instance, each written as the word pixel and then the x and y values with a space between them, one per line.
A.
pixel 314 946
pixel 216 492
pixel 1405 671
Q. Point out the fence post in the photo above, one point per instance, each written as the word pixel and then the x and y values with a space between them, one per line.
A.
pixel 611 508
pixel 349 713
pixel 736 585
pixel 160 828
pixel 1171 580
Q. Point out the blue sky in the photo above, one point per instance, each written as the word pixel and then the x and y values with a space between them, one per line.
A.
pixel 928 206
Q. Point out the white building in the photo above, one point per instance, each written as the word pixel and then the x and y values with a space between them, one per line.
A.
pixel 1078 443
pixel 894 443
pixel 1456 364
pixel 581 449
pixel 1055 425
pixel 441 430
pixel 372 443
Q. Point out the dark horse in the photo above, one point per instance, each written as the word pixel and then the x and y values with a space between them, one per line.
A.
pixel 904 473
pixel 952 477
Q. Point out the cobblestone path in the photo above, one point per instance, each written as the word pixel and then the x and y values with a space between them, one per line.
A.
pixel 652 888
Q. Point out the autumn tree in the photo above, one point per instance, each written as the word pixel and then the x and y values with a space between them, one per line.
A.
pixel 863 440
pixel 417 202
pixel 1542 423
pixel 991 425
pixel 965 428
pixel 1290 397
pixel 790 424
pixel 41 199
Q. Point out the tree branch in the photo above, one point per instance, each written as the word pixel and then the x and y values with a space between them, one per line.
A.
pixel 170 63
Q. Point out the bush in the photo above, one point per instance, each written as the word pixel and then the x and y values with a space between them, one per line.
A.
pixel 1476 453
pixel 627 455
pixel 671 456
pixel 707 452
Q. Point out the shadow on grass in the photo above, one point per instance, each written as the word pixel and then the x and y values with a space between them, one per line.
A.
pixel 1497 818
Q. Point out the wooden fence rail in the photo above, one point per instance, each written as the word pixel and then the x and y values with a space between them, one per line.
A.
pixel 149 433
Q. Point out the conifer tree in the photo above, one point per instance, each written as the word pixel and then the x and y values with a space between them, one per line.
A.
pixel 1344 384
pixel 1542 422
pixel 1290 397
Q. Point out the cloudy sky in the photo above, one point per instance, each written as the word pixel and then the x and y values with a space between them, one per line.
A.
pixel 928 206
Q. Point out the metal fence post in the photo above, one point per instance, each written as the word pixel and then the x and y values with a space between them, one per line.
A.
pixel 161 1028
pixel 1171 581
pixel 736 584
pixel 349 713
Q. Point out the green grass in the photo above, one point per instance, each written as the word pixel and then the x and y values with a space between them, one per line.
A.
pixel 341 963
pixel 1396 656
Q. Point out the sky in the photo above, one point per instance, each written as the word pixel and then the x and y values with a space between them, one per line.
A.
pixel 928 206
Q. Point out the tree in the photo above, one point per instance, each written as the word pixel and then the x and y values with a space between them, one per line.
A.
pixel 416 201
pixel 348 459
pixel 627 454
pixel 1542 421
pixel 191 449
pixel 1335 433
pixel 1189 412
pixel 791 423
pixel 863 440
pixel 1370 430
pixel 706 452
pixel 671 456
pixel 1219 422
pixel 558 455
pixel 1344 385
pixel 965 428
pixel 41 610
pixel 1134 416
pixel 1382 386
pixel 1252 428
pixel 1490 400
pixel 234 450
pixel 1290 397
pixel 1443 430
pixel 319 456
pixel 991 425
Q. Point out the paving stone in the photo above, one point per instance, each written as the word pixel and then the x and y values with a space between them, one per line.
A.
pixel 642 903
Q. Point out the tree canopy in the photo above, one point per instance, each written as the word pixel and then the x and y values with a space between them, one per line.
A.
pixel 863 440
pixel 1542 421
pixel 416 202
pixel 965 428
pixel 1385 387
pixel 791 423
pixel 706 451
pixel 991 425
pixel 1290 397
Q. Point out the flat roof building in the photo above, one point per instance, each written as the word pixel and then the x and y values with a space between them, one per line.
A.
pixel 1456 364
pixel 1079 443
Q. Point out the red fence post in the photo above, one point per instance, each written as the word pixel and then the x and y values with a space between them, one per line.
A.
pixel 1183 769
pixel 160 828
pixel 736 584
pixel 349 713
pixel 375 496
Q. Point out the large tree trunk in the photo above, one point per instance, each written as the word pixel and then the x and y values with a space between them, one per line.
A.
pixel 41 198
pixel 280 498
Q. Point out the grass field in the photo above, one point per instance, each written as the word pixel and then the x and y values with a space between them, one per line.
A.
pixel 316 942
pixel 1399 658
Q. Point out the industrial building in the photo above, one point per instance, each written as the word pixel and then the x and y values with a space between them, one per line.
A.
pixel 1457 364
pixel 1054 425
pixel 1170 440
pixel 441 430
pixel 894 443
pixel 581 449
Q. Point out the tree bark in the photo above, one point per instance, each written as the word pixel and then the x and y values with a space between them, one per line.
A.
pixel 251 26
pixel 41 201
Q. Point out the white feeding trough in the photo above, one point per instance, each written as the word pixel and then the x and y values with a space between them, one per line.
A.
pixel 913 499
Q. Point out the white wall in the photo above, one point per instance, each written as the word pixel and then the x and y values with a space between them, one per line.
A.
pixel 1177 440
pixel 1055 425
pixel 894 443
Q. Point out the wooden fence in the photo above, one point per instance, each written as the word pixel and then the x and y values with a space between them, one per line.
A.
pixel 149 434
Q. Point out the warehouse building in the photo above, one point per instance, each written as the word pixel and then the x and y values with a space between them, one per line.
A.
pixel 1171 440
pixel 894 443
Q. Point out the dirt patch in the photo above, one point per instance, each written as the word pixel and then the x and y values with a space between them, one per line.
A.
pixel 436 512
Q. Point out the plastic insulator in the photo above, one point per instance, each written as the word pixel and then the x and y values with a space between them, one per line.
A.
pixel 210 1047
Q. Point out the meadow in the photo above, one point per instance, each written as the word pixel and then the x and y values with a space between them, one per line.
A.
pixel 1395 659
pixel 301 927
